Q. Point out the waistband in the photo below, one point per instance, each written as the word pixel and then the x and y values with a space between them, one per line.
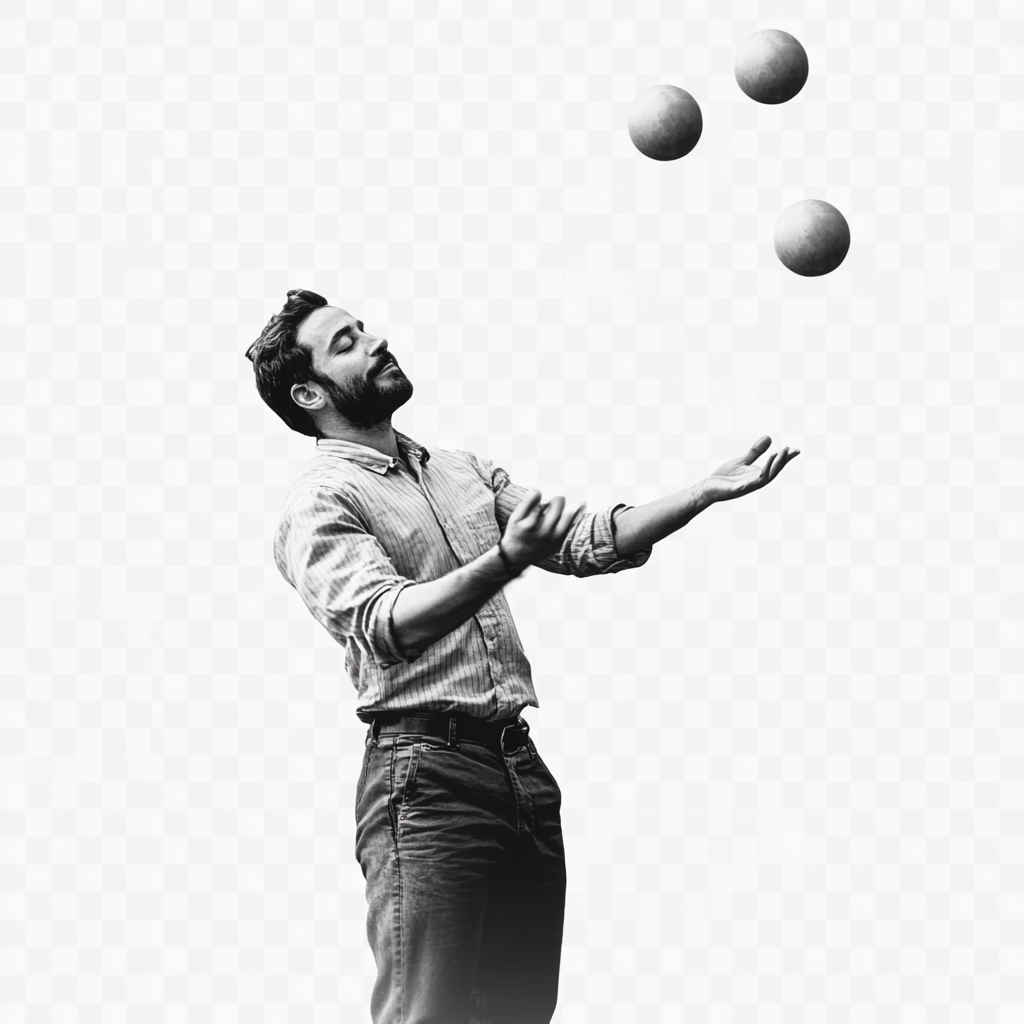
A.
pixel 502 735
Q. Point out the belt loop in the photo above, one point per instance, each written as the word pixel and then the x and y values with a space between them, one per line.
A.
pixel 451 732
pixel 530 749
pixel 375 730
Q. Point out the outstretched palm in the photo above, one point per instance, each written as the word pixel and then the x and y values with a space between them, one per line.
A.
pixel 740 476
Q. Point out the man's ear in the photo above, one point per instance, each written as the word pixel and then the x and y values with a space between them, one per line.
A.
pixel 307 397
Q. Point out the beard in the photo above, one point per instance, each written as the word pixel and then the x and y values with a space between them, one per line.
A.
pixel 371 401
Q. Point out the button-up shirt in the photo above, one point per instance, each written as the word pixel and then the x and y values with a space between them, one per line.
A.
pixel 359 526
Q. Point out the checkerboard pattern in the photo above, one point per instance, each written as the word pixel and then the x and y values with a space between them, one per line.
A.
pixel 789 746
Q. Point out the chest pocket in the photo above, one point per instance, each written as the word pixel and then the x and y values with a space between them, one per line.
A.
pixel 483 526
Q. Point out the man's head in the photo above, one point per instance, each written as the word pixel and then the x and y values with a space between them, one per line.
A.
pixel 319 369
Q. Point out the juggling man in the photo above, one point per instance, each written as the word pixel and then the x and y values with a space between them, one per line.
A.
pixel 402 554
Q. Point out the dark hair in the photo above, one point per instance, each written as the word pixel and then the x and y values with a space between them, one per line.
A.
pixel 279 361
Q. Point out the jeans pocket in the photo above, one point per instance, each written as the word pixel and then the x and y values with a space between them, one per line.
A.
pixel 363 774
pixel 547 770
pixel 405 761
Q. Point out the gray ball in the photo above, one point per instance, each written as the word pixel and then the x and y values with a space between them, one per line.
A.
pixel 771 66
pixel 811 238
pixel 665 122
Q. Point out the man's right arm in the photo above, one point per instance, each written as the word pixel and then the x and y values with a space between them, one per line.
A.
pixel 350 585
pixel 424 613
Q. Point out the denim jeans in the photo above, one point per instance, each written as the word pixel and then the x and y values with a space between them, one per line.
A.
pixel 461 849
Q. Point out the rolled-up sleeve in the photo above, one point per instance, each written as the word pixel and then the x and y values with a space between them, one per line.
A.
pixel 342 573
pixel 589 546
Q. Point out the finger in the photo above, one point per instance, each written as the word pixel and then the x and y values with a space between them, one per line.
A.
pixel 526 507
pixel 533 517
pixel 766 472
pixel 554 511
pixel 757 450
pixel 784 459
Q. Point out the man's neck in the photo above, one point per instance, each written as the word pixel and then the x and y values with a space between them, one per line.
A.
pixel 381 438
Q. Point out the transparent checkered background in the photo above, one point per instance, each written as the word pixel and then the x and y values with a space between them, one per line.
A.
pixel 789 746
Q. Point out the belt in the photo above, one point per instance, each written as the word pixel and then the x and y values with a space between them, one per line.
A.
pixel 502 735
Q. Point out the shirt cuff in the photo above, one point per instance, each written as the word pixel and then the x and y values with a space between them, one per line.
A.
pixel 605 555
pixel 386 649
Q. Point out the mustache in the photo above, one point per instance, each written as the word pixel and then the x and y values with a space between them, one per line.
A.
pixel 390 361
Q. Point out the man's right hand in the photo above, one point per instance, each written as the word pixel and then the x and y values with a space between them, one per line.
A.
pixel 536 529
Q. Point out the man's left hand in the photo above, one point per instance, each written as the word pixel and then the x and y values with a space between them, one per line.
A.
pixel 740 476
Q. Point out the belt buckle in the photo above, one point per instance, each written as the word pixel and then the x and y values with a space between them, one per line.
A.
pixel 520 726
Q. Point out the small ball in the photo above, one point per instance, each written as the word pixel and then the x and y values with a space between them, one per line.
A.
pixel 665 122
pixel 811 238
pixel 771 66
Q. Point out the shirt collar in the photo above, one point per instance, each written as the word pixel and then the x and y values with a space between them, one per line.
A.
pixel 370 458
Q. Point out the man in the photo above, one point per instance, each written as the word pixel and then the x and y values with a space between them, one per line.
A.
pixel 401 554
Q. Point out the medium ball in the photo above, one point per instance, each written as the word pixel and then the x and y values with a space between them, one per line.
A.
pixel 812 238
pixel 771 66
pixel 665 122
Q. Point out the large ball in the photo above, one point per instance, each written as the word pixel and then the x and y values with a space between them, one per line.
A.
pixel 812 238
pixel 665 122
pixel 771 66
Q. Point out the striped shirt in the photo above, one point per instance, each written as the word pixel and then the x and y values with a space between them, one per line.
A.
pixel 359 526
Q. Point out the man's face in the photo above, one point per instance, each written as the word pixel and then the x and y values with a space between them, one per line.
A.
pixel 354 368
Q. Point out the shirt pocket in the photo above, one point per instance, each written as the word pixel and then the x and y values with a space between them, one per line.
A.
pixel 482 526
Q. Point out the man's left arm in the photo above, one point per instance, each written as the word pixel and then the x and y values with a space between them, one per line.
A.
pixel 639 528
pixel 642 526
pixel 622 537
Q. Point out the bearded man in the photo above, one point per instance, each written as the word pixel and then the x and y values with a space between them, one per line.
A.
pixel 402 554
